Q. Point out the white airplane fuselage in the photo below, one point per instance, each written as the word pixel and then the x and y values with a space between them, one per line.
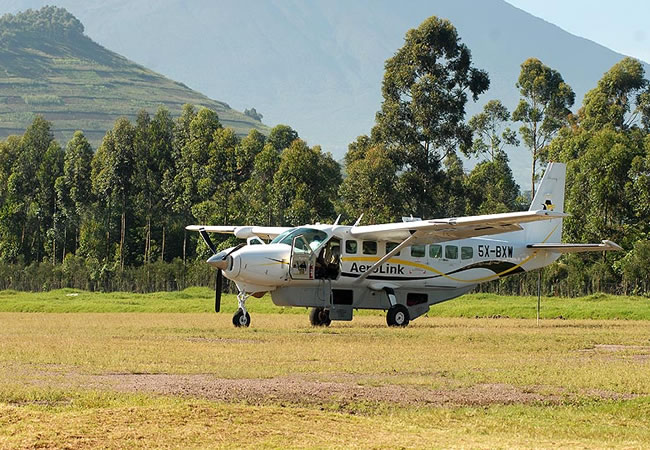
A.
pixel 403 268
pixel 438 271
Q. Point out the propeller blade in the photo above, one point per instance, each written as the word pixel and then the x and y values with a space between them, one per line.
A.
pixel 217 292
pixel 235 249
pixel 207 240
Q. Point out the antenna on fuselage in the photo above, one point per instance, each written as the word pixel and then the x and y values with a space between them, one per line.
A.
pixel 358 220
pixel 336 222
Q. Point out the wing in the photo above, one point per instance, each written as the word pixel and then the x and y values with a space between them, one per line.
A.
pixel 440 230
pixel 241 232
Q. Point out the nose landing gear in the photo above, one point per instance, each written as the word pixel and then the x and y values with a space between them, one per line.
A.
pixel 241 317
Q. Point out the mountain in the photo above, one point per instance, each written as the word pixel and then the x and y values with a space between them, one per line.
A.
pixel 317 65
pixel 49 67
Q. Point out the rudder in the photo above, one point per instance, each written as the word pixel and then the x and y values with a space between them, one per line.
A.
pixel 549 196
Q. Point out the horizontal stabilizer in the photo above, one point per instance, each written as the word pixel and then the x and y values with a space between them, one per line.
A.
pixel 578 248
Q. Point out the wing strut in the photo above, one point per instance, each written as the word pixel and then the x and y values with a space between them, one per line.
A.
pixel 386 257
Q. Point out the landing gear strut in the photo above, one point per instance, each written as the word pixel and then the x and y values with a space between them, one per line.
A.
pixel 241 317
pixel 320 317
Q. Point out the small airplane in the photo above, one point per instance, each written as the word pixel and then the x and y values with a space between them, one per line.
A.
pixel 403 268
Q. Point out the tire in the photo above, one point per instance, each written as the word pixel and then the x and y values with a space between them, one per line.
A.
pixel 320 317
pixel 398 316
pixel 240 319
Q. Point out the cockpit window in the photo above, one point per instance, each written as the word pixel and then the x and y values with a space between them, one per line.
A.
pixel 314 238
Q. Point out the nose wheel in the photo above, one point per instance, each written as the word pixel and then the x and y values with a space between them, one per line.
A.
pixel 241 318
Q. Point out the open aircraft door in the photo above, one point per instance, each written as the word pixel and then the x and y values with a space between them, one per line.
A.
pixel 303 259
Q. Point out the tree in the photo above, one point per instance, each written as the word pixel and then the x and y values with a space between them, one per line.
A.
pixel 112 177
pixel 162 154
pixel 425 90
pixel 24 190
pixel 487 128
pixel 258 189
pixel 305 185
pixel 49 174
pixel 543 108
pixel 281 137
pixel 491 188
pixel 620 99
pixel 370 188
pixel 77 183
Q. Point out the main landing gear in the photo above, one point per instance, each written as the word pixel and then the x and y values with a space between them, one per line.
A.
pixel 241 317
pixel 320 317
pixel 397 316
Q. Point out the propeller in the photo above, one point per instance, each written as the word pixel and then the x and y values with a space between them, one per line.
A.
pixel 220 263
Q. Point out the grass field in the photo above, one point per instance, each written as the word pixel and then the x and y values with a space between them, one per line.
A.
pixel 167 374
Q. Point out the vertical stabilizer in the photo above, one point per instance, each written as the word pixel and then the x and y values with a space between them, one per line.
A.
pixel 549 196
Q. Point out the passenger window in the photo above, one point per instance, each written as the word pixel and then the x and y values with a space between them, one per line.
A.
pixel 435 251
pixel 418 251
pixel 466 252
pixel 369 247
pixel 390 246
pixel 351 247
pixel 451 252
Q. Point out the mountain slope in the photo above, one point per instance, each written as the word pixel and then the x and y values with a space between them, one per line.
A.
pixel 318 65
pixel 49 67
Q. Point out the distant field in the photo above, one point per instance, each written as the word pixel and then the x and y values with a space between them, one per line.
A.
pixel 141 380
pixel 194 300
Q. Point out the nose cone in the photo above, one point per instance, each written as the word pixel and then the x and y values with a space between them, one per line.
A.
pixel 219 261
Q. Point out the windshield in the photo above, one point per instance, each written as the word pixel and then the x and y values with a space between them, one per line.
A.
pixel 314 238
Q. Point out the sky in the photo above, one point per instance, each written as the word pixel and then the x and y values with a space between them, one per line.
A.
pixel 622 25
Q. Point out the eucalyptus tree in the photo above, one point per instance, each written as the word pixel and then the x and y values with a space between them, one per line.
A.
pixel 112 178
pixel 371 188
pixel 75 191
pixel 425 89
pixel 543 108
pixel 282 136
pixel 24 188
pixel 491 134
pixel 305 185
pixel 620 100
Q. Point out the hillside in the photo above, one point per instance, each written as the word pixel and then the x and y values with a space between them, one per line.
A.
pixel 318 65
pixel 49 67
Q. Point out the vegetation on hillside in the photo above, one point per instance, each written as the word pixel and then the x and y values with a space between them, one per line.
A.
pixel 114 219
pixel 50 68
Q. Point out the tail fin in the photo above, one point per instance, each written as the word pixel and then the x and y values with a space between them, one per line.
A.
pixel 549 196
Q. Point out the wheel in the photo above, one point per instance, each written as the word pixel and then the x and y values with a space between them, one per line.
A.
pixel 240 319
pixel 320 317
pixel 397 316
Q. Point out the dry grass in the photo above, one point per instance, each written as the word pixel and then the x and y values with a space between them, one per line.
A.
pixel 178 380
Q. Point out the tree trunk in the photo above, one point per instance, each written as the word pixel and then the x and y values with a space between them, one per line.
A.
pixel 122 235
pixel 162 252
pixel 532 195
pixel 184 243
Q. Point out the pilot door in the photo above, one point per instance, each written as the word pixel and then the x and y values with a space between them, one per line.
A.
pixel 303 259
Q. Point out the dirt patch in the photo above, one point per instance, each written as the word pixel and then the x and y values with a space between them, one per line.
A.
pixel 617 351
pixel 295 389
pixel 300 390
